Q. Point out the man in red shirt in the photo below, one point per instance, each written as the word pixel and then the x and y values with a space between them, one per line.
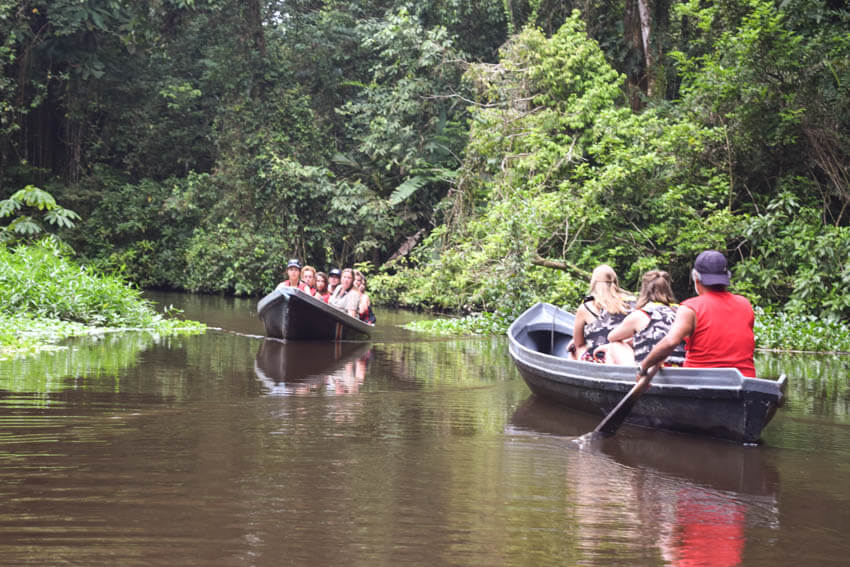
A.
pixel 716 325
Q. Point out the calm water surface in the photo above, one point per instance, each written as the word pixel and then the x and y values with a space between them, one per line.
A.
pixel 225 449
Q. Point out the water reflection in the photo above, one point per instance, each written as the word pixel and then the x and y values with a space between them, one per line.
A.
pixel 686 499
pixel 141 450
pixel 707 462
pixel 287 368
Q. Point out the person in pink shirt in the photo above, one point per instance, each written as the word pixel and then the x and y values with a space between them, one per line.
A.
pixel 716 325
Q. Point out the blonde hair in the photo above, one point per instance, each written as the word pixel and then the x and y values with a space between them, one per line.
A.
pixel 606 291
pixel 306 268
pixel 657 286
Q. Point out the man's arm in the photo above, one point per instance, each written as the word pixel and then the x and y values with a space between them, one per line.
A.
pixel 683 326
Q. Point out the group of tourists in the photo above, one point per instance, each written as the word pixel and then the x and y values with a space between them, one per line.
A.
pixel 343 289
pixel 713 329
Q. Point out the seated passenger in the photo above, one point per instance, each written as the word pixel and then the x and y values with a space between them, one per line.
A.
pixel 333 279
pixel 631 341
pixel 345 297
pixel 364 309
pixel 322 287
pixel 293 273
pixel 603 309
pixel 308 276
pixel 716 325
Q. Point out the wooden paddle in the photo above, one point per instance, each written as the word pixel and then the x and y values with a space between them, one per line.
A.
pixel 618 415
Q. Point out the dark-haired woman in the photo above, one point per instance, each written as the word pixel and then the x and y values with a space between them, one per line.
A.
pixel 630 342
pixel 322 287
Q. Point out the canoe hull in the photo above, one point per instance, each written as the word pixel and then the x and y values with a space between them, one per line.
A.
pixel 717 402
pixel 293 315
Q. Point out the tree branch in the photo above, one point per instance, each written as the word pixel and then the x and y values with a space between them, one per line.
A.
pixel 558 265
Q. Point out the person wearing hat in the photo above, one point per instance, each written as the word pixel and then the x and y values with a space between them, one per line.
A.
pixel 293 273
pixel 716 325
pixel 345 297
pixel 333 279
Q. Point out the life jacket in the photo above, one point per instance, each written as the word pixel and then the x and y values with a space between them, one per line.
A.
pixel 596 332
pixel 661 318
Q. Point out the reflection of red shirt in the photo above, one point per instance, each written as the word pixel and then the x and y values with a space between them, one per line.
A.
pixel 723 335
pixel 710 532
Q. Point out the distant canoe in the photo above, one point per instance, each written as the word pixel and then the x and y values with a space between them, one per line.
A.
pixel 718 402
pixel 291 314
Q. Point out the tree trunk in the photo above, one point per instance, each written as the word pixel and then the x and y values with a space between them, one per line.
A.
pixel 638 32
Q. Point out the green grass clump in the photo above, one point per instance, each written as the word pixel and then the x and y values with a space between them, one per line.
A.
pixel 784 331
pixel 45 297
pixel 475 324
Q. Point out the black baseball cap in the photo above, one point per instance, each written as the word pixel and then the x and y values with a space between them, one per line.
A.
pixel 334 273
pixel 293 263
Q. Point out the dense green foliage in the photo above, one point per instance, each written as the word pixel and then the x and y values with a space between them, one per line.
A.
pixel 203 142
pixel 47 296
pixel 23 226
pixel 558 166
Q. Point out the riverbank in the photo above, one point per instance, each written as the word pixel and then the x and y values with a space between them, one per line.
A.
pixel 48 297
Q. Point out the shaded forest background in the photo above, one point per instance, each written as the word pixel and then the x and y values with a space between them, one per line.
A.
pixel 456 150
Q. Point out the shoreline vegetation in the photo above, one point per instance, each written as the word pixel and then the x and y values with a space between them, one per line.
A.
pixel 774 332
pixel 477 156
pixel 48 297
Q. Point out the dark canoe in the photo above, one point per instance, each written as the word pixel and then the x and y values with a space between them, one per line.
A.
pixel 291 314
pixel 718 402
pixel 303 363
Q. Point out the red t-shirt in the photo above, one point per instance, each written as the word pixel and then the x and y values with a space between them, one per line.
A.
pixel 723 335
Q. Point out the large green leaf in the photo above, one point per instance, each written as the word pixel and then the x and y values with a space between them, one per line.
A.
pixel 408 188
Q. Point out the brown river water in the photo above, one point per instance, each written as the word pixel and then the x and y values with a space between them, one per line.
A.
pixel 408 449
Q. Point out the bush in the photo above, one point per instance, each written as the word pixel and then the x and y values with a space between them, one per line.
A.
pixel 42 282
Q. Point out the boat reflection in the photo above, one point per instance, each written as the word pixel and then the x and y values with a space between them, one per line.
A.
pixel 708 462
pixel 693 500
pixel 297 368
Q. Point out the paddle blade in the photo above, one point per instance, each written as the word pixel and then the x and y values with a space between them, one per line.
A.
pixel 618 415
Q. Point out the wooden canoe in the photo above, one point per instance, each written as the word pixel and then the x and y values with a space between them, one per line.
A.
pixel 717 402
pixel 293 315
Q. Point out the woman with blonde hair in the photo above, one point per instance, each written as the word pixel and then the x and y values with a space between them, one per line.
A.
pixel 632 340
pixel 605 306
